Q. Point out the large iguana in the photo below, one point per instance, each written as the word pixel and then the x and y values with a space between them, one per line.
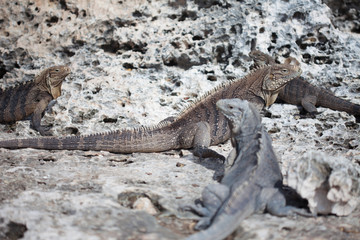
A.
pixel 32 97
pixel 301 92
pixel 198 126
pixel 252 182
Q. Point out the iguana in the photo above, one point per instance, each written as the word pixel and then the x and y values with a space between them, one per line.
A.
pixel 198 126
pixel 32 97
pixel 301 92
pixel 252 183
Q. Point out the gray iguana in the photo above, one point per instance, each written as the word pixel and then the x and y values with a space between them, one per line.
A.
pixel 198 126
pixel 32 97
pixel 252 182
pixel 301 92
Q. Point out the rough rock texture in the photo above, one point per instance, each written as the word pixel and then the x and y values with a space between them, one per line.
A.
pixel 331 186
pixel 137 62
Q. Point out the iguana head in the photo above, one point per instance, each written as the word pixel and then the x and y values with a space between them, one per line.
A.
pixel 278 75
pixel 52 78
pixel 292 61
pixel 261 58
pixel 243 116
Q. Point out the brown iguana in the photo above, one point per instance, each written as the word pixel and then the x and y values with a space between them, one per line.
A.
pixel 198 126
pixel 253 182
pixel 301 92
pixel 31 98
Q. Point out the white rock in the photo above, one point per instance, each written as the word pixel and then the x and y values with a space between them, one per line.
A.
pixel 146 205
pixel 330 185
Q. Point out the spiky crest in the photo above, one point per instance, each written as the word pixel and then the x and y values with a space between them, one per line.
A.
pixel 223 85
pixel 16 85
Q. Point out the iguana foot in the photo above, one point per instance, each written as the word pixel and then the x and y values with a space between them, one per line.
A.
pixel 198 209
pixel 204 152
pixel 44 131
pixel 311 114
pixel 203 212
pixel 203 223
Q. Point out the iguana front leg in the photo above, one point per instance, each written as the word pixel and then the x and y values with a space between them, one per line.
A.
pixel 308 102
pixel 229 162
pixel 43 102
pixel 212 197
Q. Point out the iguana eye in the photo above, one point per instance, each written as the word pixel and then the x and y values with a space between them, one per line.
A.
pixel 284 70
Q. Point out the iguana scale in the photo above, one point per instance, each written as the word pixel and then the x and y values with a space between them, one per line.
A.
pixel 198 126
pixel 32 97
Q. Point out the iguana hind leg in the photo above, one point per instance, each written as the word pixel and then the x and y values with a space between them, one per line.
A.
pixel 202 141
pixel 202 138
pixel 276 204
pixel 197 136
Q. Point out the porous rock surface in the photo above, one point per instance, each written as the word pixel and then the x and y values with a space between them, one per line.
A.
pixel 137 62
pixel 331 186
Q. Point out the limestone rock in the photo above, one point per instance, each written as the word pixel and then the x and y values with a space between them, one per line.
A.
pixel 145 205
pixel 331 185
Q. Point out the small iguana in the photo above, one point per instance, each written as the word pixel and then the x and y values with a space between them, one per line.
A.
pixel 301 92
pixel 252 183
pixel 198 126
pixel 32 97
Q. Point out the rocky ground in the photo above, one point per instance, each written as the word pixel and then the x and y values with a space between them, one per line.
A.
pixel 138 62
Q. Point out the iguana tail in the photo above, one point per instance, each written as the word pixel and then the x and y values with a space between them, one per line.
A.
pixel 228 222
pixel 40 143
pixel 222 229
pixel 141 139
pixel 329 100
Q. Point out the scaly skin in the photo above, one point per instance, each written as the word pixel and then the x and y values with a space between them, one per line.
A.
pixel 32 97
pixel 252 182
pixel 300 92
pixel 198 126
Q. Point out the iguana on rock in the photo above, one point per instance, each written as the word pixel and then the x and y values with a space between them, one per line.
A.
pixel 198 126
pixel 32 97
pixel 252 183
pixel 301 92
